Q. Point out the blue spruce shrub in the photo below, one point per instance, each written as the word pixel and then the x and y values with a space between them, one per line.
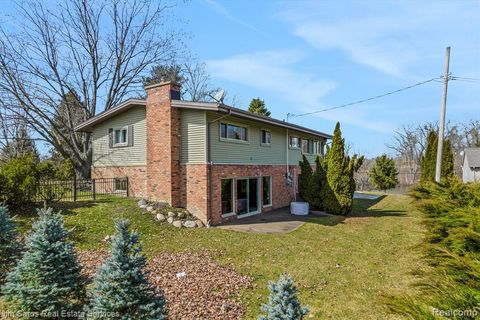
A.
pixel 47 278
pixel 283 302
pixel 121 288
pixel 9 245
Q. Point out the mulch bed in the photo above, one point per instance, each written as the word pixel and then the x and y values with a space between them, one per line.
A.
pixel 206 291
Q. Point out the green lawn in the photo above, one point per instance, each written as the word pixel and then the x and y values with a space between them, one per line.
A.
pixel 341 265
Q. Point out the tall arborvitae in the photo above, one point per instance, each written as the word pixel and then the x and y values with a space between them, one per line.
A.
pixel 447 159
pixel 340 175
pixel 47 277
pixel 9 244
pixel 320 183
pixel 306 184
pixel 430 157
pixel 283 302
pixel 121 285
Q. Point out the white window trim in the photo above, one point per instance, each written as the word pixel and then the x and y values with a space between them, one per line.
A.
pixel 229 214
pixel 247 133
pixel 271 193
pixel 290 142
pixel 120 144
pixel 265 144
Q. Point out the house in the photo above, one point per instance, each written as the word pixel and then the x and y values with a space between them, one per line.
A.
pixel 471 165
pixel 217 161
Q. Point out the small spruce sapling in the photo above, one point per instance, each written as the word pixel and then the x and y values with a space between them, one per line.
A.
pixel 9 245
pixel 283 302
pixel 121 284
pixel 47 277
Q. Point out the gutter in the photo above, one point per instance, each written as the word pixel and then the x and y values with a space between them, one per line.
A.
pixel 209 162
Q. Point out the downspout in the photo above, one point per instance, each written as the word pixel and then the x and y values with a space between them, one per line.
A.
pixel 209 161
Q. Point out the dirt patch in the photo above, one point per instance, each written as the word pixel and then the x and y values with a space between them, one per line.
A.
pixel 194 285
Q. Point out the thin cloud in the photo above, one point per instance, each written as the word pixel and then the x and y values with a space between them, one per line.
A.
pixel 227 14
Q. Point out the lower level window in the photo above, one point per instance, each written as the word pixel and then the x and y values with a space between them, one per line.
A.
pixel 227 196
pixel 120 184
pixel 267 191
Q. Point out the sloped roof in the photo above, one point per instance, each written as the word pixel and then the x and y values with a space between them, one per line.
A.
pixel 88 125
pixel 473 157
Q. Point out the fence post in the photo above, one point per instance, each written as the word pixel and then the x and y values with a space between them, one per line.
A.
pixel 94 190
pixel 126 178
pixel 74 188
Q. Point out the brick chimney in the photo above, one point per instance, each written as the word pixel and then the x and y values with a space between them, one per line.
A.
pixel 163 143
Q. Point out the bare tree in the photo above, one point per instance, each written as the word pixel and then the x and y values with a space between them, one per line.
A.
pixel 197 86
pixel 98 50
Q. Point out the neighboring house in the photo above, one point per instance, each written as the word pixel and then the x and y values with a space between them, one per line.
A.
pixel 217 161
pixel 471 165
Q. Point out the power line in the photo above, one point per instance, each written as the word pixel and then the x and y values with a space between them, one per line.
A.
pixel 365 100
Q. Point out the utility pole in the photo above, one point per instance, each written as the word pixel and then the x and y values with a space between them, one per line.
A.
pixel 441 129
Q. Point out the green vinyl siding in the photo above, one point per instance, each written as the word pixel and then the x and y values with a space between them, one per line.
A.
pixel 193 131
pixel 252 151
pixel 103 155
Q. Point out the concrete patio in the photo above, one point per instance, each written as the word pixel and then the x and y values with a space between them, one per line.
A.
pixel 276 221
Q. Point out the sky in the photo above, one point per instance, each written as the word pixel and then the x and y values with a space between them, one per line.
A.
pixel 303 56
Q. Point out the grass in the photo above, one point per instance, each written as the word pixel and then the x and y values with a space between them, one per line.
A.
pixel 341 265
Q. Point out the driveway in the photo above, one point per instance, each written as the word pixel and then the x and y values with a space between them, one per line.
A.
pixel 275 221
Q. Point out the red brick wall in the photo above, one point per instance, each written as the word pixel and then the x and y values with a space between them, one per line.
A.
pixel 137 177
pixel 163 145
pixel 281 194
pixel 194 189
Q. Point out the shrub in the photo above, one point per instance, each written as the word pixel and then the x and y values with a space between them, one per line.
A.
pixel 283 302
pixel 19 179
pixel 383 174
pixel 121 285
pixel 306 186
pixel 452 249
pixel 9 245
pixel 340 171
pixel 47 277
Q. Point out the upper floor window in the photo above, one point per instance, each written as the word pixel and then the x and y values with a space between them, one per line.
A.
pixel 120 136
pixel 316 147
pixel 266 137
pixel 230 131
pixel 294 142
pixel 305 146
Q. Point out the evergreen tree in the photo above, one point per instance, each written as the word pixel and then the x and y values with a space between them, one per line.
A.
pixel 383 174
pixel 162 73
pixel 257 106
pixel 341 169
pixel 321 188
pixel 47 277
pixel 121 284
pixel 9 245
pixel 283 302
pixel 20 146
pixel 306 185
pixel 429 159
pixel 447 159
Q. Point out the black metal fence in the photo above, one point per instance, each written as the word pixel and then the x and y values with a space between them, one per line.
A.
pixel 76 189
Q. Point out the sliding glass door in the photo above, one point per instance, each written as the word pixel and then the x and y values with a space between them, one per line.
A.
pixel 247 196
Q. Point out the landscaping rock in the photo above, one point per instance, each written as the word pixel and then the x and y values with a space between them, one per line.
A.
pixel 160 205
pixel 177 223
pixel 160 217
pixel 107 238
pixel 171 214
pixel 189 224
pixel 142 202
pixel 170 220
pixel 149 208
pixel 143 206
pixel 181 215
pixel 199 223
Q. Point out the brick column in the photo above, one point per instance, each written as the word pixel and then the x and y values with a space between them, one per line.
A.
pixel 163 143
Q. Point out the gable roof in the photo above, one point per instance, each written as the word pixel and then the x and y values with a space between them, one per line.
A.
pixel 473 157
pixel 88 125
